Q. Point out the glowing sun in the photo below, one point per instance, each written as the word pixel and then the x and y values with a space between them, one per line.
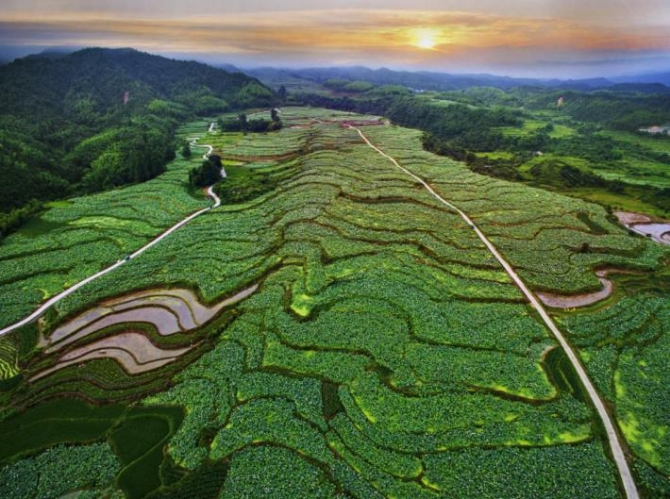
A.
pixel 425 38
pixel 426 42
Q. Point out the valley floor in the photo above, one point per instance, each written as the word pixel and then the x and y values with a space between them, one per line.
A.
pixel 372 340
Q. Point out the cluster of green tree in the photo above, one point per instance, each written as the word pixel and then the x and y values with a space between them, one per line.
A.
pixel 657 197
pixel 483 97
pixel 95 80
pixel 502 168
pixel 556 173
pixel 598 148
pixel 613 107
pixel 123 155
pixel 88 160
pixel 27 170
pixel 375 101
pixel 99 118
pixel 561 173
pixel 17 217
pixel 463 126
pixel 245 125
pixel 207 173
pixel 245 187
pixel 354 87
pixel 620 111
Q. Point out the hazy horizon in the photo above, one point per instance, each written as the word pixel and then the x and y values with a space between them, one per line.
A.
pixel 524 38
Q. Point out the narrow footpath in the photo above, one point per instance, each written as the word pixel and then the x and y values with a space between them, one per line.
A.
pixel 625 474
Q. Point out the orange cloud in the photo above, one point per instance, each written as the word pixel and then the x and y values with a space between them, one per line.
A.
pixel 316 32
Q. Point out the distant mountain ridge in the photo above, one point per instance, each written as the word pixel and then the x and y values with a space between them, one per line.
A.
pixel 443 82
pixel 662 78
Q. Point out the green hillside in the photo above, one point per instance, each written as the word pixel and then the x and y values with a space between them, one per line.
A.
pixel 100 118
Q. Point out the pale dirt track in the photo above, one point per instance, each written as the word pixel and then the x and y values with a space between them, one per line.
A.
pixel 625 474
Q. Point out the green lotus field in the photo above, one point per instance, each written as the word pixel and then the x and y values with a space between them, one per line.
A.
pixel 384 354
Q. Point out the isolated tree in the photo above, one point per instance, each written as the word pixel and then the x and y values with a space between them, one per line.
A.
pixel 282 93
pixel 186 150
pixel 215 159
pixel 244 122
pixel 205 174
pixel 276 123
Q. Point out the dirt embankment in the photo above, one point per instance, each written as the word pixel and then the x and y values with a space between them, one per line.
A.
pixel 576 301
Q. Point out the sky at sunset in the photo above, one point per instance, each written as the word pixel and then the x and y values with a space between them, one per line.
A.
pixel 557 38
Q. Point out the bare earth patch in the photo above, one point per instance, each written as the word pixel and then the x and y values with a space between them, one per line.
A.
pixel 575 301
pixel 630 218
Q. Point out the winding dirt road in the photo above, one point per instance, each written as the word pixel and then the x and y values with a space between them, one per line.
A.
pixel 210 149
pixel 55 299
pixel 625 474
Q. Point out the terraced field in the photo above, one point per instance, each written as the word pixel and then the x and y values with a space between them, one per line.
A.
pixel 8 359
pixel 384 351
pixel 77 238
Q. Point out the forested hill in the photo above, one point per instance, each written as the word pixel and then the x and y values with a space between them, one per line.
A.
pixel 96 79
pixel 98 118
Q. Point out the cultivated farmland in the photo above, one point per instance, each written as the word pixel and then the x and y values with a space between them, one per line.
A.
pixel 383 352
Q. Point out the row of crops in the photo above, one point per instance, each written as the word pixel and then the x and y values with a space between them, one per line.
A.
pixel 8 359
pixel 385 352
